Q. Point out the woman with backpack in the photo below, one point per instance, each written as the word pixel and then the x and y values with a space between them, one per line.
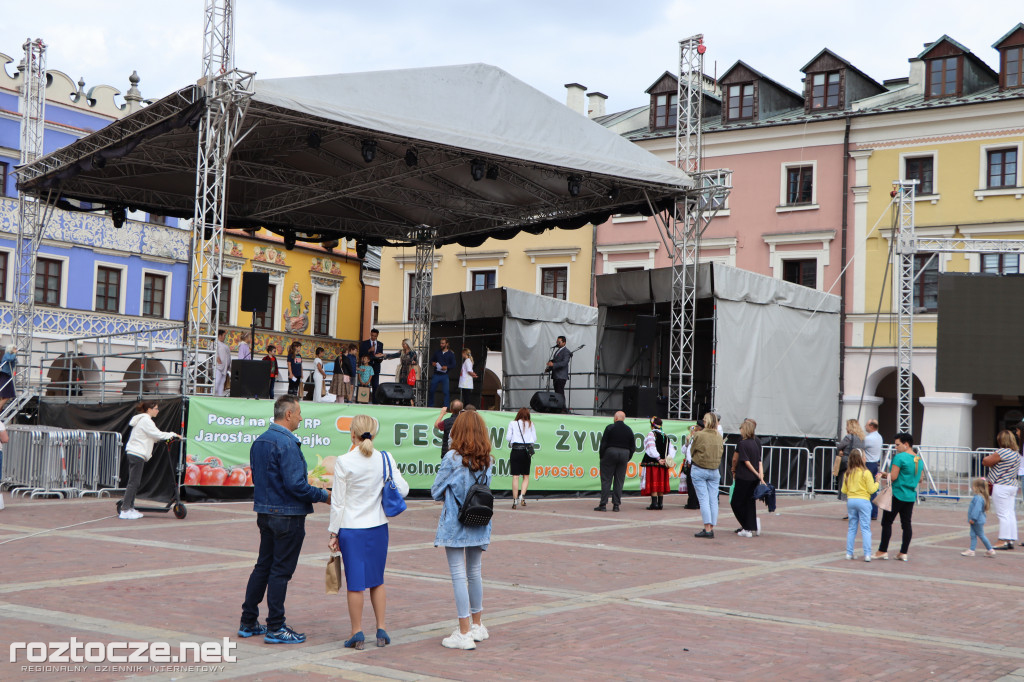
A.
pixel 466 465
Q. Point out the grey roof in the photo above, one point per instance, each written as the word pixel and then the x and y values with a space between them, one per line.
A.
pixel 609 120
pixel 740 62
pixel 372 259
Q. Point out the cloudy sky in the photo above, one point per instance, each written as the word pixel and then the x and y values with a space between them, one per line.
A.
pixel 618 48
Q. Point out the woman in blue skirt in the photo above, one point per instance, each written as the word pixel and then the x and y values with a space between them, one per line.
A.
pixel 359 528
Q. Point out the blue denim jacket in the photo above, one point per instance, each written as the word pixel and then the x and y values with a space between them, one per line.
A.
pixel 279 477
pixel 976 512
pixel 451 484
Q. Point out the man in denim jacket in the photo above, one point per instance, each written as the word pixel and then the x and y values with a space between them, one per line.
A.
pixel 282 498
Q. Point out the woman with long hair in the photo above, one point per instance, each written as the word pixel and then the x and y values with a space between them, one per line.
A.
pixel 294 369
pixel 139 449
pixel 320 394
pixel 521 433
pixel 858 486
pixel 358 526
pixel 853 440
pixel 748 472
pixel 466 376
pixel 655 465
pixel 706 453
pixel 1003 465
pixel 467 462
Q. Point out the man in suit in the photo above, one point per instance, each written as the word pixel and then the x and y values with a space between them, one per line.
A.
pixel 373 349
pixel 559 366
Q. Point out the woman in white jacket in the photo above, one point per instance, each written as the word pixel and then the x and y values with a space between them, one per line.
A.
pixel 139 449
pixel 358 526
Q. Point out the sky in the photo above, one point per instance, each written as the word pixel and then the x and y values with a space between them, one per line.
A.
pixel 617 48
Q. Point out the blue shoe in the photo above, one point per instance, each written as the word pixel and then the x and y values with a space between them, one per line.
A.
pixel 251 630
pixel 355 641
pixel 382 638
pixel 284 636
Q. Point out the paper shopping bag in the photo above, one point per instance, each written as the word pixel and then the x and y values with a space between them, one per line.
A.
pixel 332 579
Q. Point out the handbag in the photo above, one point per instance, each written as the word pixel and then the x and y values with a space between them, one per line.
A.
pixel 391 499
pixel 411 378
pixel 883 500
pixel 332 577
pixel 529 446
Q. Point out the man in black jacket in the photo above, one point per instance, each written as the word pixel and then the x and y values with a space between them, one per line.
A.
pixel 616 450
pixel 441 362
pixel 373 349
pixel 559 366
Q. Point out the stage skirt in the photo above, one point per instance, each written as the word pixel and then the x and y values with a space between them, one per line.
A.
pixel 364 552
pixel 655 481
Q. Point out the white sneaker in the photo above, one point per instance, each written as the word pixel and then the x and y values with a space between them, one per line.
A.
pixel 758 526
pixel 479 632
pixel 126 514
pixel 849 557
pixel 136 514
pixel 745 534
pixel 867 558
pixel 457 640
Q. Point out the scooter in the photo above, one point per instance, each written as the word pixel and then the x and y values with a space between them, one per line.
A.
pixel 175 505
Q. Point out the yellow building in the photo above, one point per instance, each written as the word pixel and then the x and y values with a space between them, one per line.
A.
pixel 556 263
pixel 961 137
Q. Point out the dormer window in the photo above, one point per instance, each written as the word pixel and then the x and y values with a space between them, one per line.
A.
pixel 665 110
pixel 943 76
pixel 741 102
pixel 825 90
pixel 1013 73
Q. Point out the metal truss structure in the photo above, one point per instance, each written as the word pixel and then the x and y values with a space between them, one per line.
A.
pixel 227 93
pixel 421 292
pixel 698 207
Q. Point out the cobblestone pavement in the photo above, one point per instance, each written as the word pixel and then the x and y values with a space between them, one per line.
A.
pixel 569 594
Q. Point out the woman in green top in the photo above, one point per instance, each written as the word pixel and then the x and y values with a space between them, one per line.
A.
pixel 706 452
pixel 904 474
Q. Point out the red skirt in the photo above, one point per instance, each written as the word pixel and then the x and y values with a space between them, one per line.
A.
pixel 655 481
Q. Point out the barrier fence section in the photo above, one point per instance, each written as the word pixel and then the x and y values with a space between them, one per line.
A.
pixel 42 461
pixel 789 469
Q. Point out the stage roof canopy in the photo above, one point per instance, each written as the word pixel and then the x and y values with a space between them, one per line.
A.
pixel 300 169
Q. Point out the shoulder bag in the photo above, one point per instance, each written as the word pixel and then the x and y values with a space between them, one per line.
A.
pixel 529 446
pixel 883 500
pixel 391 499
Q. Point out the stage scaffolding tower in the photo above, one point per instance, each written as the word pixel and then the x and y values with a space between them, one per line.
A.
pixel 687 223
pixel 227 92
pixel 421 292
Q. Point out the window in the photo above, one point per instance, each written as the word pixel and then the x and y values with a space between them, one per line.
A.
pixel 1013 61
pixel 48 281
pixel 157 219
pixel 926 284
pixel 942 76
pixel 799 185
pixel 554 282
pixel 741 102
pixel 483 279
pixel 1001 263
pixel 322 315
pixel 825 90
pixel 409 310
pixel 920 168
pixel 665 110
pixel 3 178
pixel 631 268
pixel 224 309
pixel 3 275
pixel 154 289
pixel 266 320
pixel 108 289
pixel 1002 168
pixel 803 272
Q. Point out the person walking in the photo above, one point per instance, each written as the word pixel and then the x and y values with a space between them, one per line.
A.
pixel 244 349
pixel 656 463
pixel 872 455
pixel 294 368
pixel 139 450
pixel 441 361
pixel 747 473
pixel 706 454
pixel 904 475
pixel 614 453
pixel 468 462
pixel 223 366
pixel 271 357
pixel 1003 465
pixel 8 367
pixel 374 350
pixel 521 437
pixel 282 498
pixel 980 504
pixel 358 527
pixel 466 376
pixel 853 440
pixel 858 485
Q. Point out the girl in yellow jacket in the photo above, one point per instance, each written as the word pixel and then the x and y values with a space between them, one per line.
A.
pixel 858 486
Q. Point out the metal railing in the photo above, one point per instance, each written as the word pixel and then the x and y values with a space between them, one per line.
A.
pixel 43 461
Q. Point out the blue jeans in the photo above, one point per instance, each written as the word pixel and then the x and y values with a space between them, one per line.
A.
pixel 280 543
pixel 706 482
pixel 439 379
pixel 873 468
pixel 465 563
pixel 978 531
pixel 859 511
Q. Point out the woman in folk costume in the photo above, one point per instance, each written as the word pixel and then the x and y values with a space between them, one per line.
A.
pixel 656 464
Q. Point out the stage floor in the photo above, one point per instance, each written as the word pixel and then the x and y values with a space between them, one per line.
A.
pixel 569 594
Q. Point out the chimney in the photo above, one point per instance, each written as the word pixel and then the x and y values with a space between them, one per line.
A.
pixel 595 104
pixel 574 97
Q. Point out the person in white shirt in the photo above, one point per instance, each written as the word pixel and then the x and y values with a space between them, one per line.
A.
pixel 320 394
pixel 521 433
pixel 244 349
pixel 466 376
pixel 872 456
pixel 223 365
pixel 139 449
pixel 358 527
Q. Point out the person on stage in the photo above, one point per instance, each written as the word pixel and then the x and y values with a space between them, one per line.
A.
pixel 271 357
pixel 440 362
pixel 223 366
pixel 375 350
pixel 294 368
pixel 656 463
pixel 559 366
pixel 244 350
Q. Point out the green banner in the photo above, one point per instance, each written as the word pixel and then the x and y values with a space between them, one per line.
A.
pixel 566 453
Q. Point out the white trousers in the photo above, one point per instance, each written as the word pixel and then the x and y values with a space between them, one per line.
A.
pixel 218 382
pixel 1003 498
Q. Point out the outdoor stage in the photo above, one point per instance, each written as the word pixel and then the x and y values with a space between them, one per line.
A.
pixel 569 593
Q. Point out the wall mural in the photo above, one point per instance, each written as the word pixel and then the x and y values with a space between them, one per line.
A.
pixel 268 254
pixel 326 266
pixel 296 313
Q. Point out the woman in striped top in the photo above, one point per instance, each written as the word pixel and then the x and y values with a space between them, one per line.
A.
pixel 1002 474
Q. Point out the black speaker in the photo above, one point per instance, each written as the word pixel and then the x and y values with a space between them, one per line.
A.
pixel 394 394
pixel 255 288
pixel 250 379
pixel 547 401
pixel 640 401
pixel 646 330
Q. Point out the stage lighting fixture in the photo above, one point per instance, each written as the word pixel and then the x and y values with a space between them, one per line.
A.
pixel 118 216
pixel 477 168
pixel 289 240
pixel 361 250
pixel 369 150
pixel 492 172
pixel 313 140
pixel 98 161
pixel 575 183
pixel 411 157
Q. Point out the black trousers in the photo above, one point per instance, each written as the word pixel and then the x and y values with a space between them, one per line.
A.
pixel 135 466
pixel 280 543
pixel 613 474
pixel 905 511
pixel 559 386
pixel 743 504
pixel 691 493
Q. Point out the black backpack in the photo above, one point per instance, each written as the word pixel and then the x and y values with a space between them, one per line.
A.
pixel 478 507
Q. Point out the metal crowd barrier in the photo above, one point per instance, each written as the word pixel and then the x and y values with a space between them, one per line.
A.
pixel 42 461
pixel 789 469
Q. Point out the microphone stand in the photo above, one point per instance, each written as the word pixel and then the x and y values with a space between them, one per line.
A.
pixel 568 380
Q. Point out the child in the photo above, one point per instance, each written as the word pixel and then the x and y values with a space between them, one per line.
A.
pixel 466 376
pixel 858 486
pixel 976 517
pixel 365 372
